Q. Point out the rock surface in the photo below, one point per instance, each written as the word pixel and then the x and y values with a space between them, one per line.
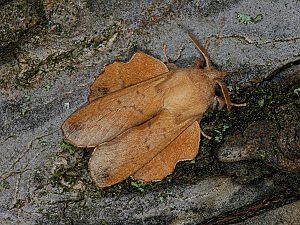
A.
pixel 276 138
pixel 50 53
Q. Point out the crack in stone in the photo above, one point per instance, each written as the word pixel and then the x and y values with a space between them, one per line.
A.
pixel 16 193
pixel 247 40
pixel 9 173
pixel 6 139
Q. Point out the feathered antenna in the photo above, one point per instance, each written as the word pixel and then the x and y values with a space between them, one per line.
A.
pixel 202 49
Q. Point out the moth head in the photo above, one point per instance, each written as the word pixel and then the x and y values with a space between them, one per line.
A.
pixel 220 81
pixel 215 74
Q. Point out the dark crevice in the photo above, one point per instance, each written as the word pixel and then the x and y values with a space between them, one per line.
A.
pixel 31 31
pixel 277 71
pixel 3 2
pixel 256 209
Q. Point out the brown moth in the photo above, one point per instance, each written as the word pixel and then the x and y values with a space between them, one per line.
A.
pixel 142 117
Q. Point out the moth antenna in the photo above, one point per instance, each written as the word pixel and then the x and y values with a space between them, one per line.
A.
pixel 165 54
pixel 202 49
pixel 206 44
pixel 225 94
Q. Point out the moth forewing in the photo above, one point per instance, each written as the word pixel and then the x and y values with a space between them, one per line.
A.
pixel 184 147
pixel 106 117
pixel 115 160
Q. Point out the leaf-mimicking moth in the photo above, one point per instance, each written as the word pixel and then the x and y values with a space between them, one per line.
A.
pixel 142 117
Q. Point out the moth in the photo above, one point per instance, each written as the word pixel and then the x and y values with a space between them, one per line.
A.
pixel 142 116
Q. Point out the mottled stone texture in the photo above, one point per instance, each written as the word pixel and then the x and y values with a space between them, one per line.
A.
pixel 17 19
pixel 50 52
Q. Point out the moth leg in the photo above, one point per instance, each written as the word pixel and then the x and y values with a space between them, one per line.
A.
pixel 165 54
pixel 204 134
pixel 239 104
pixel 221 103
pixel 201 131
pixel 170 66
pixel 206 44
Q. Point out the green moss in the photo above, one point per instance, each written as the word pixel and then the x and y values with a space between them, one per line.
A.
pixel 38 177
pixel 115 190
pixel 5 185
pixel 297 91
pixel 23 79
pixel 75 169
pixel 20 203
pixel 258 18
pixel 142 186
pixel 247 19
pixel 103 222
pixel 139 185
pixel 66 146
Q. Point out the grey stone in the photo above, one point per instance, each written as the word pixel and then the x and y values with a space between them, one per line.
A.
pixel 17 17
pixel 275 142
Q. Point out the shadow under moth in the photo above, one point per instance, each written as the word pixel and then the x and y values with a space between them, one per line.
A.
pixel 142 116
